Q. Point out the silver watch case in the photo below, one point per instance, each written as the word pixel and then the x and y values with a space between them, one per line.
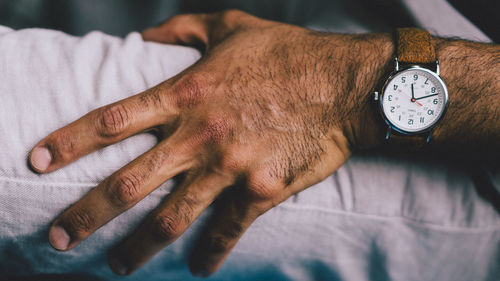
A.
pixel 379 99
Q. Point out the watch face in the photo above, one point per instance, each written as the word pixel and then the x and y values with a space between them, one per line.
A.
pixel 413 100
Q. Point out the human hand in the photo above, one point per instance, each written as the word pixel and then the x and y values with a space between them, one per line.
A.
pixel 269 110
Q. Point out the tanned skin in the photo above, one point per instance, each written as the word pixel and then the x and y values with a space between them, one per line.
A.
pixel 269 110
pixel 471 126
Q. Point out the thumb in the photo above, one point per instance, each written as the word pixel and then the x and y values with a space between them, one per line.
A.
pixel 198 29
pixel 188 29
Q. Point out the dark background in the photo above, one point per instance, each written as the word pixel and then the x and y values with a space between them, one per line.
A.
pixel 119 17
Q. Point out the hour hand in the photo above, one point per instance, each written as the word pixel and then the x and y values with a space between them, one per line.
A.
pixel 412 92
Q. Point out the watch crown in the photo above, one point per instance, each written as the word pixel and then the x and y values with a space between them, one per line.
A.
pixel 375 96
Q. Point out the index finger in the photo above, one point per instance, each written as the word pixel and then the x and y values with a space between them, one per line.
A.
pixel 102 127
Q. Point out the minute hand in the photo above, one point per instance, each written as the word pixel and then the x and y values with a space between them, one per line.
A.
pixel 426 96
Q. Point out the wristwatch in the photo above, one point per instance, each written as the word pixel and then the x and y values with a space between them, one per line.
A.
pixel 414 97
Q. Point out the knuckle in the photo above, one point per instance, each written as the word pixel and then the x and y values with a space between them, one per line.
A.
pixel 179 20
pixel 113 120
pixel 232 15
pixel 191 89
pixel 124 190
pixel 262 185
pixel 62 145
pixel 232 230
pixel 79 223
pixel 225 238
pixel 218 243
pixel 165 228
pixel 175 21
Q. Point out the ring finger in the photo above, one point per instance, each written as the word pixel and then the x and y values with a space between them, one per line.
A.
pixel 165 224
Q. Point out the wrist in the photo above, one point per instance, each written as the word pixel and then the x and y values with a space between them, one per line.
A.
pixel 371 58
pixel 360 64
pixel 351 67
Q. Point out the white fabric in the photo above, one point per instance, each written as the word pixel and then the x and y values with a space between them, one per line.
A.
pixel 377 218
pixel 442 19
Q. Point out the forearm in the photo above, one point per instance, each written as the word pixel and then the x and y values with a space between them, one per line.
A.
pixel 472 121
pixel 470 71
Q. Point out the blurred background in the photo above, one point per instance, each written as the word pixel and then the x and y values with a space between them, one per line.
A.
pixel 119 17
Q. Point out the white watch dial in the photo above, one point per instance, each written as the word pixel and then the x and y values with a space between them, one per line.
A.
pixel 414 99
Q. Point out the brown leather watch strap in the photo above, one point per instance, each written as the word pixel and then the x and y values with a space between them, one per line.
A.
pixel 407 143
pixel 415 46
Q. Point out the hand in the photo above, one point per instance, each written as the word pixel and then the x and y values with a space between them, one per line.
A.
pixel 270 110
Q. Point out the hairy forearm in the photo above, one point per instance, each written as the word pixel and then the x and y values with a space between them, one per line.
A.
pixel 473 118
pixel 470 71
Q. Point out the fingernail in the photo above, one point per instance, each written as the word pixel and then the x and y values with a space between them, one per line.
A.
pixel 117 266
pixel 40 158
pixel 58 238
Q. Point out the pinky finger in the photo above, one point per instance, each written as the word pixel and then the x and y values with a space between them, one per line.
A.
pixel 232 216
